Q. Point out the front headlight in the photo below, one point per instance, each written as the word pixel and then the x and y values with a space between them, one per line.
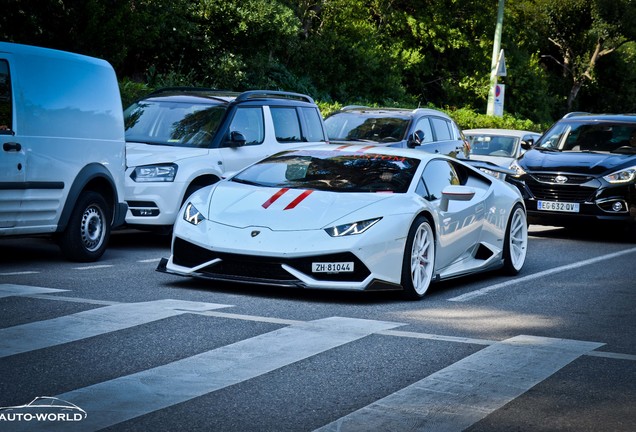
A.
pixel 192 215
pixel 351 228
pixel 623 176
pixel 517 169
pixel 154 173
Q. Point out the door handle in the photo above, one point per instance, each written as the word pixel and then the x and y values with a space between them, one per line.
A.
pixel 11 146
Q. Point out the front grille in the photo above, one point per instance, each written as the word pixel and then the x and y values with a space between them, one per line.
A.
pixel 565 193
pixel 572 179
pixel 264 268
pixel 545 187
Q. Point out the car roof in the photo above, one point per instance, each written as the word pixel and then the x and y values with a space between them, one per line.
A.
pixel 363 149
pixel 506 132
pixel 361 109
pixel 577 117
pixel 201 94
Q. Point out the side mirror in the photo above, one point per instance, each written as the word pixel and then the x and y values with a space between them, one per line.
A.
pixel 455 193
pixel 415 139
pixel 527 145
pixel 237 139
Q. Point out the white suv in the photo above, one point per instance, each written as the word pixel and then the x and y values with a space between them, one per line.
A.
pixel 179 140
pixel 62 158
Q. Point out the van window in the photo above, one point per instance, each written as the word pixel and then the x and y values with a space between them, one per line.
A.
pixel 286 124
pixel 6 111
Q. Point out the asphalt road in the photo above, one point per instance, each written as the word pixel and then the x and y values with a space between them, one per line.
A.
pixel 553 349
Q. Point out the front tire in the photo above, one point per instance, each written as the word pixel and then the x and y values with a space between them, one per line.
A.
pixel 516 241
pixel 88 229
pixel 419 259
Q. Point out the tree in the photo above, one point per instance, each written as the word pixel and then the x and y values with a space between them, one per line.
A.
pixel 581 32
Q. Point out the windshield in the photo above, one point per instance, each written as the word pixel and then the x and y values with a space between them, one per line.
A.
pixel 367 127
pixel 337 171
pixel 581 136
pixel 493 145
pixel 172 123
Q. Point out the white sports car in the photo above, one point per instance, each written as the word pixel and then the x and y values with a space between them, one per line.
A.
pixel 353 218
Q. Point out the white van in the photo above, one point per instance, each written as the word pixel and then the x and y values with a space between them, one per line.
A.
pixel 62 160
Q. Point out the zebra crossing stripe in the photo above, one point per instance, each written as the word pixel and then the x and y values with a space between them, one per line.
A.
pixel 43 334
pixel 115 401
pixel 460 395
pixel 12 290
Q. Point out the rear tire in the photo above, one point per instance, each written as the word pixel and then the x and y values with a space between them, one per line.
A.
pixel 419 259
pixel 88 230
pixel 516 241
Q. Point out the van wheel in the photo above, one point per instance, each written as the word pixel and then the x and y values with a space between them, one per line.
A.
pixel 88 229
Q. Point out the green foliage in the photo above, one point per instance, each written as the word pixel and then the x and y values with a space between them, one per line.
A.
pixel 467 118
pixel 404 53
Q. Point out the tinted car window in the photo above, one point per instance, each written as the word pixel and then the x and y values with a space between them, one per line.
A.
pixel 286 124
pixel 249 122
pixel 370 127
pixel 6 116
pixel 343 172
pixel 172 123
pixel 442 129
pixel 589 137
pixel 437 175
pixel 311 117
pixel 424 125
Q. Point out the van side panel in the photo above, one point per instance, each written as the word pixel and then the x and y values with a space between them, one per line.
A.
pixel 68 125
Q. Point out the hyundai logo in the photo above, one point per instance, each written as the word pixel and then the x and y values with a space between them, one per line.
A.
pixel 561 179
pixel 255 233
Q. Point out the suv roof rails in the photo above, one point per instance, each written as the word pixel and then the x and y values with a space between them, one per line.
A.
pixel 575 113
pixel 272 94
pixel 350 107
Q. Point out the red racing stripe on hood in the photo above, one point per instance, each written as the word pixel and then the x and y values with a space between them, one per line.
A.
pixel 274 197
pixel 298 200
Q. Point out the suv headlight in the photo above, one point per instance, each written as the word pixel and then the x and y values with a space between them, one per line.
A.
pixel 351 228
pixel 517 169
pixel 192 215
pixel 154 173
pixel 623 176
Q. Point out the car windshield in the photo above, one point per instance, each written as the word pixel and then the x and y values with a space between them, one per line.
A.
pixel 493 145
pixel 367 127
pixel 337 171
pixel 582 136
pixel 172 123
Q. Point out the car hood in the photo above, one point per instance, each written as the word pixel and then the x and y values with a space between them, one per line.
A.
pixel 497 160
pixel 575 162
pixel 138 154
pixel 279 209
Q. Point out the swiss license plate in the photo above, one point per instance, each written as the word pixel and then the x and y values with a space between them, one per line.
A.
pixel 558 206
pixel 332 267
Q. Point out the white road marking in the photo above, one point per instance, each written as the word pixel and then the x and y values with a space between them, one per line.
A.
pixel 481 292
pixel 19 273
pixel 112 402
pixel 149 260
pixel 12 290
pixel 43 334
pixel 94 267
pixel 462 394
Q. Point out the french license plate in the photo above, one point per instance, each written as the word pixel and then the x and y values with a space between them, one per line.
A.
pixel 332 267
pixel 558 206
